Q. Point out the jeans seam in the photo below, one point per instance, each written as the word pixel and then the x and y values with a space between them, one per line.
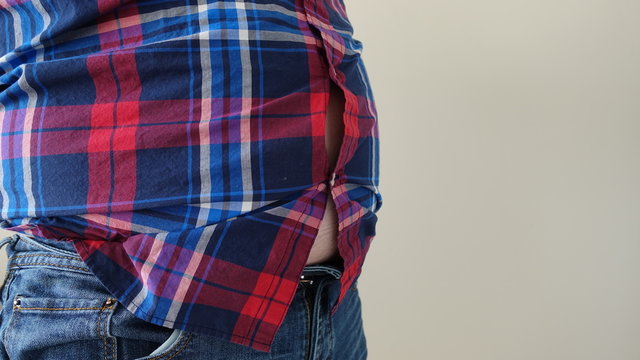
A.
pixel 307 304
pixel 100 333
pixel 48 255
pixel 19 266
pixel 329 320
pixel 105 338
pixel 10 325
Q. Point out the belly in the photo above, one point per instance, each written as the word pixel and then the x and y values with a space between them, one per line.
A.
pixel 325 245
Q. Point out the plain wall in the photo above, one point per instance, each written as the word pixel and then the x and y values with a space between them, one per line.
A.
pixel 510 175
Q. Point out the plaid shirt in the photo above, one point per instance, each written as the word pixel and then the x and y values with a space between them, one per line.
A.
pixel 181 147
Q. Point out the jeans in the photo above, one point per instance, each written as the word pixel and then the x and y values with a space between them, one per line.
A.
pixel 53 307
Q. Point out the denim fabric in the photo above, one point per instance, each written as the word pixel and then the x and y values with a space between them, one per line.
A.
pixel 53 307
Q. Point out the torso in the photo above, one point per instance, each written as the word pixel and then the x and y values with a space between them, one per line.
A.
pixel 325 245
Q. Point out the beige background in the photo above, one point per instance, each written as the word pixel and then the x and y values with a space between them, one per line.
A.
pixel 510 174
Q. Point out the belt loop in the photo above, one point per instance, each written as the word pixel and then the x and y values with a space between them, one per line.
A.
pixel 11 238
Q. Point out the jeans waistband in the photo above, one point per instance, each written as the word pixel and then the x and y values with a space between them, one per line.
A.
pixel 58 253
pixel 25 251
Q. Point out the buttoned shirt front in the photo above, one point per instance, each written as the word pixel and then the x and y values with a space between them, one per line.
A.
pixel 181 148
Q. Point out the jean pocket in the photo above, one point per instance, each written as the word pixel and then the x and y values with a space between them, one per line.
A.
pixel 59 328
pixel 139 339
pixel 172 347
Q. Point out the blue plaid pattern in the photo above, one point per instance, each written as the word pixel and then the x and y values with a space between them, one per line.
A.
pixel 180 145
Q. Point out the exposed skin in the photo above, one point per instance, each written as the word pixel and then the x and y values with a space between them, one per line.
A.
pixel 325 245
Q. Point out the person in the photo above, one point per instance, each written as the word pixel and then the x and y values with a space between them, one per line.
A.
pixel 192 180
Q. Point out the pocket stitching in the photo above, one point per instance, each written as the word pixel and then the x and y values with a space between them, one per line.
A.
pixel 48 255
pixel 17 309
pixel 48 299
pixel 106 336
pixel 7 331
pixel 18 266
